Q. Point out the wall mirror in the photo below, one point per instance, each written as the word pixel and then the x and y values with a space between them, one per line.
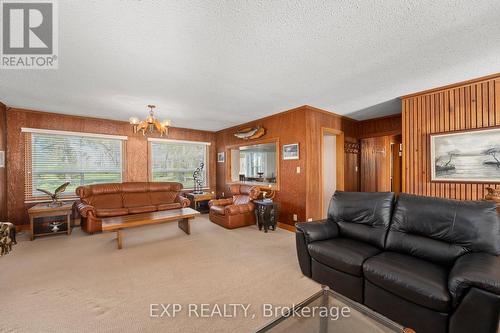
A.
pixel 255 164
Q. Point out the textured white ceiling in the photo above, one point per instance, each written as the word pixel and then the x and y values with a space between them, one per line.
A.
pixel 213 64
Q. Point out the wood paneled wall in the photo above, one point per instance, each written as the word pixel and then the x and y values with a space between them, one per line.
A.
pixel 287 127
pixel 318 121
pixel 299 193
pixel 468 105
pixel 136 149
pixel 376 164
pixel 352 164
pixel 3 171
pixel 376 136
pixel 382 126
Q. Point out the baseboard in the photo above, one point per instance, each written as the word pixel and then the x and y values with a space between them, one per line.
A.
pixel 23 227
pixel 286 226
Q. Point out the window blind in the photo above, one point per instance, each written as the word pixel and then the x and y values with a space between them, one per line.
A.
pixel 53 159
pixel 176 161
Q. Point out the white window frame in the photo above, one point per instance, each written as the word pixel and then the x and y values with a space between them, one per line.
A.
pixel 207 158
pixel 29 197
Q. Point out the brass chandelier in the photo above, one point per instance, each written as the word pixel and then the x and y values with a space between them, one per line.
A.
pixel 150 124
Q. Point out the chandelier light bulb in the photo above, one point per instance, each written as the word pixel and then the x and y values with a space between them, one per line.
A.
pixel 133 120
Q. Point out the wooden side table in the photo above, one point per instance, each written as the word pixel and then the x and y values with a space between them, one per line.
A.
pixel 266 213
pixel 199 202
pixel 43 210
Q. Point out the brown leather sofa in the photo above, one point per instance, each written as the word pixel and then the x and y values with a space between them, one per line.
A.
pixel 237 211
pixel 110 200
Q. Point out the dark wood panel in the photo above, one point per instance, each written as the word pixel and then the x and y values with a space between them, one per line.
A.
pixel 462 106
pixel 375 164
pixel 351 160
pixel 382 126
pixel 3 171
pixel 136 154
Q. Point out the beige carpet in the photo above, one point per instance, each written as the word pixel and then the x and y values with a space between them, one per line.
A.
pixel 82 283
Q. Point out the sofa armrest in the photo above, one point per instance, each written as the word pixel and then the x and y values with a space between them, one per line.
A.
pixel 319 230
pixel 220 202
pixel 308 232
pixel 479 270
pixel 239 209
pixel 85 210
pixel 185 202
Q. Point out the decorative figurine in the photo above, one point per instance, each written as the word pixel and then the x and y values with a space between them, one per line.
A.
pixel 55 196
pixel 198 179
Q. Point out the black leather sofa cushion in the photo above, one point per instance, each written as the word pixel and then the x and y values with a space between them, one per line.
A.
pixel 481 270
pixel 441 230
pixel 316 231
pixel 362 216
pixel 413 279
pixel 343 254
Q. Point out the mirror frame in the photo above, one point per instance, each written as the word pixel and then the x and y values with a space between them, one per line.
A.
pixel 275 186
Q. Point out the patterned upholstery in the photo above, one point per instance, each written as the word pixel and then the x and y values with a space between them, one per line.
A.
pixel 7 237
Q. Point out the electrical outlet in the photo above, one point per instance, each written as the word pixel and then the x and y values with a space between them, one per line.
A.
pixel 309 219
pixel 298 169
pixel 223 195
pixel 295 217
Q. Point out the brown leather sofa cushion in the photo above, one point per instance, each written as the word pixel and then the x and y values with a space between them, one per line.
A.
pixel 241 199
pixel 141 209
pixel 239 209
pixel 88 191
pixel 136 199
pixel 165 187
pixel 168 206
pixel 134 187
pixel 221 210
pixel 162 197
pixel 107 201
pixel 110 212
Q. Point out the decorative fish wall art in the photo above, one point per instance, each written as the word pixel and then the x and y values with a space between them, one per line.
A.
pixel 250 133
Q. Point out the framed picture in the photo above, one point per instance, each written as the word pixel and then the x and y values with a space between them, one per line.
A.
pixel 220 157
pixel 291 151
pixel 466 156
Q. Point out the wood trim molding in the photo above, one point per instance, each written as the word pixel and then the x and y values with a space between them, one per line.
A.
pixel 287 227
pixel 178 141
pixel 227 163
pixel 85 134
pixel 305 107
pixel 340 165
pixel 461 84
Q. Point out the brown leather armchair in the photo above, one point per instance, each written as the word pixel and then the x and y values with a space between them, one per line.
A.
pixel 109 200
pixel 237 211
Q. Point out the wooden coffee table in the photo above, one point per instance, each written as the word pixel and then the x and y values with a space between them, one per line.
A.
pixel 182 215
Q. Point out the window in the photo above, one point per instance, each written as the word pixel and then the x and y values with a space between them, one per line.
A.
pixel 175 161
pixel 53 158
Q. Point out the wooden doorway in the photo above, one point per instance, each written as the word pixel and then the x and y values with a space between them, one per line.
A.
pixel 332 165
pixel 396 165
pixel 381 164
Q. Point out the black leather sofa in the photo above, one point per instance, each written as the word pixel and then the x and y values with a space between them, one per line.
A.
pixel 430 264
